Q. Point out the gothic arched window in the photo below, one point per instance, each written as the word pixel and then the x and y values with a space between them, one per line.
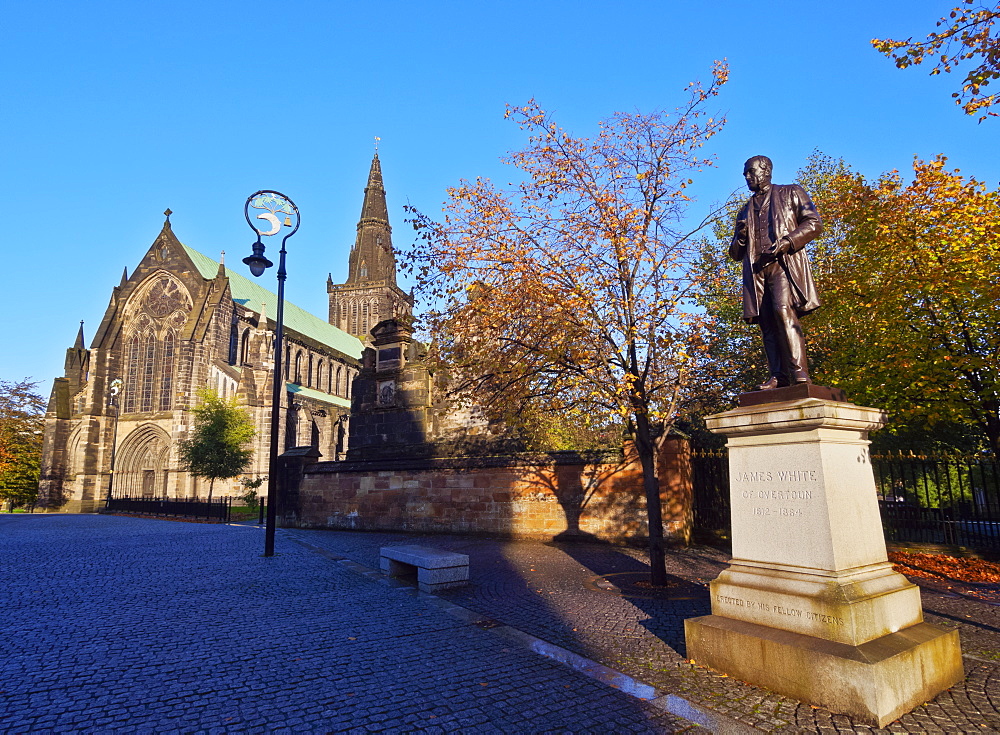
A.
pixel 233 341
pixel 132 374
pixel 147 355
pixel 319 374
pixel 298 368
pixel 167 373
pixel 245 347
pixel 149 352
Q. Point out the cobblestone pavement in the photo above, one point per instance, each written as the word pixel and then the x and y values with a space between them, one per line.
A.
pixel 113 624
pixel 588 598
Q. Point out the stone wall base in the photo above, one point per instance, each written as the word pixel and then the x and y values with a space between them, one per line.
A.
pixel 875 683
pixel 545 497
pixel 74 505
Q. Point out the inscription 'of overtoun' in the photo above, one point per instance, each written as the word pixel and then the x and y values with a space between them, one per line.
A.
pixel 779 475
pixel 779 494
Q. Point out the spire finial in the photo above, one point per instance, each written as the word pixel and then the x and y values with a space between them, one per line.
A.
pixel 377 139
pixel 79 338
pixel 222 258
pixel 167 213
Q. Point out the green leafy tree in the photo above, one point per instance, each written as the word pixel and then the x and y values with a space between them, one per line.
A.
pixel 217 447
pixel 22 422
pixel 916 297
pixel 967 33
pixel 251 486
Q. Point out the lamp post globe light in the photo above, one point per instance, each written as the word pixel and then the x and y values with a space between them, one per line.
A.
pixel 279 212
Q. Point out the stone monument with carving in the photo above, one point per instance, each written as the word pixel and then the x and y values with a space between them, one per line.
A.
pixel 810 606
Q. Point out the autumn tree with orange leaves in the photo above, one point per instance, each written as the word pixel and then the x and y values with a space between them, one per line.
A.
pixel 968 32
pixel 913 300
pixel 570 292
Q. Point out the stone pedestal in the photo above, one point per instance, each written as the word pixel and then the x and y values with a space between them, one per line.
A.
pixel 810 606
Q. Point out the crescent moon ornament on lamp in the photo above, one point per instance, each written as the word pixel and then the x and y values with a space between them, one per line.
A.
pixel 275 223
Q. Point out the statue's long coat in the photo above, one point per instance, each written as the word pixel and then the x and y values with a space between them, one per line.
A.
pixel 792 215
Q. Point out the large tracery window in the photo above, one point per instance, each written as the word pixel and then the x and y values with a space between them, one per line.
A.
pixel 150 349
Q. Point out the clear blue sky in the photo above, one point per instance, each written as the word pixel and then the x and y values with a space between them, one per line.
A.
pixel 113 111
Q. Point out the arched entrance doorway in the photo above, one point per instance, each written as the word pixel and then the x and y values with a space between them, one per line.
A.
pixel 141 463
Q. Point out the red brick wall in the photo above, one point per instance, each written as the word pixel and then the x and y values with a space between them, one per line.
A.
pixel 536 499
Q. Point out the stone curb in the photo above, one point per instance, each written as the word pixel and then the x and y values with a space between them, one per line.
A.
pixel 671 703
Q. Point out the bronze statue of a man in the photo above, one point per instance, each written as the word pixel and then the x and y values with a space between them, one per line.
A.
pixel 772 230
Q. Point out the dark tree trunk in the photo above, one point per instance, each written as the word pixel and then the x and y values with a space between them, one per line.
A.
pixel 654 514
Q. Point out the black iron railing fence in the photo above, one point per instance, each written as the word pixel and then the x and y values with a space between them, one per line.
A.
pixel 215 510
pixel 710 477
pixel 937 498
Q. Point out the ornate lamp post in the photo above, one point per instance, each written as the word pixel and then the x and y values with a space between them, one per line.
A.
pixel 278 210
pixel 115 396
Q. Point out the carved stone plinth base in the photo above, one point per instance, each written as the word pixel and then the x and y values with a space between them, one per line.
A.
pixel 810 606
pixel 875 682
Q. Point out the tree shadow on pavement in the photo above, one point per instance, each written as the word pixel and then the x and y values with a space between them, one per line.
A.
pixel 686 595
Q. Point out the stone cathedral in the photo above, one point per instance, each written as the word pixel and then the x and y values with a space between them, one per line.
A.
pixel 182 321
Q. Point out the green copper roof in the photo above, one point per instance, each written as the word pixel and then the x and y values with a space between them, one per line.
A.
pixel 251 295
pixel 318 395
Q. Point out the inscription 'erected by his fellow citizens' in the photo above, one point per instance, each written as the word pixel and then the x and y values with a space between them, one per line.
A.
pixel 779 610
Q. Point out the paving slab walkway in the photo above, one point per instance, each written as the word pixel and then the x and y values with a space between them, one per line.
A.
pixel 592 600
pixel 117 625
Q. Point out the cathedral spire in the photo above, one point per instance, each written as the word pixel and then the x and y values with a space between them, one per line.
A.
pixel 374 209
pixel 370 293
pixel 372 258
pixel 79 338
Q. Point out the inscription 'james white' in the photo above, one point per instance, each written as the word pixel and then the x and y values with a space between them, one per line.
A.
pixel 781 475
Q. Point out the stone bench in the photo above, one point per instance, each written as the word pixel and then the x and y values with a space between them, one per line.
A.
pixel 436 569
